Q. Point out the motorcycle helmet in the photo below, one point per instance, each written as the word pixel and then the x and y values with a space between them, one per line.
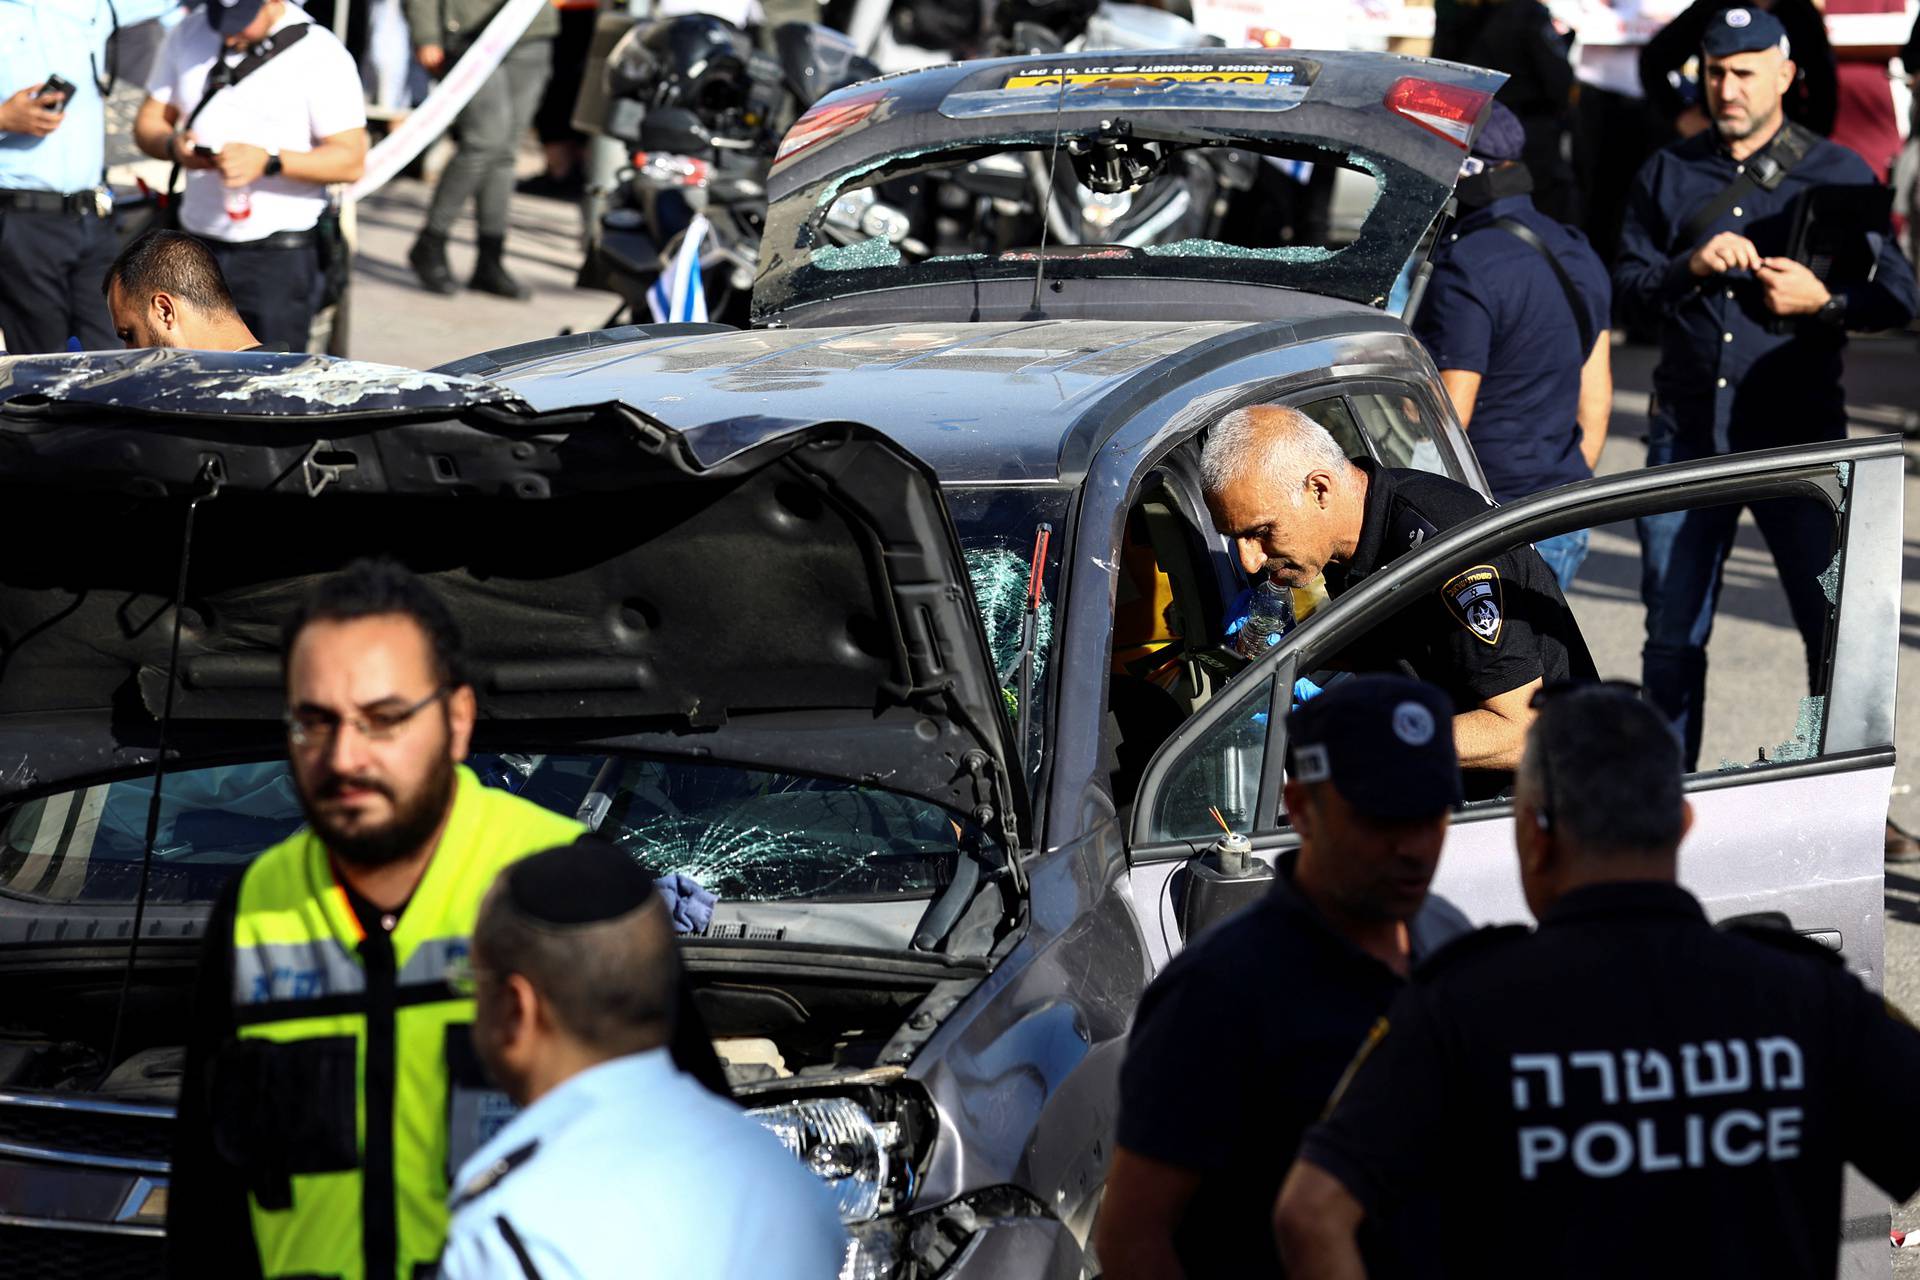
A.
pixel 694 61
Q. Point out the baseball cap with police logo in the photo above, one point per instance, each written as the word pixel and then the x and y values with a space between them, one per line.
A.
pixel 1744 31
pixel 1384 742
pixel 229 16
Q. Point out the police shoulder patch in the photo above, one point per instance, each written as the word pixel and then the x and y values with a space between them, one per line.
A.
pixel 1474 599
pixel 491 1176
pixel 1468 945
pixel 1785 939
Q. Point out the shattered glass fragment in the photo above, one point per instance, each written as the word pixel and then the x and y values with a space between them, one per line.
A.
pixel 1805 742
pixel 999 576
pixel 1830 580
pixel 868 254
pixel 1220 249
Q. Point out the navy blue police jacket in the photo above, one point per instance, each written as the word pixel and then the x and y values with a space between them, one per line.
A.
pixel 1725 381
pixel 1494 307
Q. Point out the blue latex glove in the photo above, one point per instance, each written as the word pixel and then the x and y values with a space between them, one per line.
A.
pixel 1304 689
pixel 1237 611
pixel 689 905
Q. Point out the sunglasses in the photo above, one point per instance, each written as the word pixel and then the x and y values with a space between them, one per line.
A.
pixel 1563 691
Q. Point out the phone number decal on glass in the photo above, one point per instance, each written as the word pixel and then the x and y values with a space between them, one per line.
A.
pixel 1146 79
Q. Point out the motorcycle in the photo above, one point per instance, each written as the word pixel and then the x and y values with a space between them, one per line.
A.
pixel 702 103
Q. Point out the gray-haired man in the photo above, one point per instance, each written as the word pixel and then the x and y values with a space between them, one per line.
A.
pixel 1296 506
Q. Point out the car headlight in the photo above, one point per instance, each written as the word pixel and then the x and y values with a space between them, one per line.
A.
pixel 842 1145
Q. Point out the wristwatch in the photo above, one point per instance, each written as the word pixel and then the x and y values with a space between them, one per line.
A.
pixel 1833 312
pixel 273 164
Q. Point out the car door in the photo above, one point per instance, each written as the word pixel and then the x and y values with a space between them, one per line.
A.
pixel 1797 832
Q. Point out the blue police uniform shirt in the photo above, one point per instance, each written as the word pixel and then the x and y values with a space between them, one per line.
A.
pixel 1262 1013
pixel 633 1168
pixel 1494 307
pixel 67 38
pixel 1724 382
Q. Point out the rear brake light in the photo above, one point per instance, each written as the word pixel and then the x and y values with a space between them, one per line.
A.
pixel 827 120
pixel 1446 109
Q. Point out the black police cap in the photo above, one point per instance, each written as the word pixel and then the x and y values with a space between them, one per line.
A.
pixel 1743 31
pixel 1384 742
pixel 586 882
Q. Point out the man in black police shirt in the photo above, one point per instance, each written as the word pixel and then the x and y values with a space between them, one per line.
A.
pixel 1625 1086
pixel 1239 1042
pixel 1282 488
pixel 1750 343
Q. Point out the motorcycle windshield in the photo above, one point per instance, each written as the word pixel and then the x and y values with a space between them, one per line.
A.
pixel 1401 125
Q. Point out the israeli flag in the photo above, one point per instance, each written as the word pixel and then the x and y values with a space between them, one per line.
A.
pixel 679 296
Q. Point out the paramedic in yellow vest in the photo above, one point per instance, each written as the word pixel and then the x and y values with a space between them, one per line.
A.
pixel 330 1078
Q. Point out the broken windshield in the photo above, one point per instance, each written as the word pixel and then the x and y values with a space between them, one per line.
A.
pixel 744 835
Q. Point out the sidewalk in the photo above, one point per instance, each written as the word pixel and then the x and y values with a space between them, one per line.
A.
pixel 394 321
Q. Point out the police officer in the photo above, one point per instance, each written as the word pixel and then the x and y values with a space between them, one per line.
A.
pixel 321 1114
pixel 1280 486
pixel 1625 1086
pixel 619 1156
pixel 56 228
pixel 1255 1054
pixel 1812 98
pixel 1516 317
pixel 1750 343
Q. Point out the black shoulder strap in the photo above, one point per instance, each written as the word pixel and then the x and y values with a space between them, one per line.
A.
pixel 1527 236
pixel 1763 172
pixel 224 76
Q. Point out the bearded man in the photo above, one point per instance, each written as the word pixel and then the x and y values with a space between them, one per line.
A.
pixel 331 1085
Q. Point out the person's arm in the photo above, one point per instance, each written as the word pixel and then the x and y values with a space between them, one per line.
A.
pixel 1596 399
pixel 1315 1222
pixel 429 42
pixel 341 157
pixel 1463 388
pixel 209 1229
pixel 26 116
pixel 1144 1201
pixel 1668 51
pixel 1648 280
pixel 1493 735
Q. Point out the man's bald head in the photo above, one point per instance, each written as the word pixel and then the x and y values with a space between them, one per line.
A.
pixel 1283 489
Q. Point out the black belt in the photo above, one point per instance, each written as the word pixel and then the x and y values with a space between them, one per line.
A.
pixel 80 202
pixel 278 240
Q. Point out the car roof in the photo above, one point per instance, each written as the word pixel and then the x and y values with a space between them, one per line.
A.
pixel 977 402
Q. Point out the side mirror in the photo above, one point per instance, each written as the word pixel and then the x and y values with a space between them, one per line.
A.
pixel 676 130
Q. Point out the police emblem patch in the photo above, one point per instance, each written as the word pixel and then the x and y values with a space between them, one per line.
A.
pixel 1474 597
pixel 1738 18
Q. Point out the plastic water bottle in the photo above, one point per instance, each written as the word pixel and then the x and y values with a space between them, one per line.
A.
pixel 1269 616
pixel 239 201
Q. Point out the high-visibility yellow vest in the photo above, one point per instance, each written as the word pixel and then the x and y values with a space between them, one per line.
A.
pixel 344 1086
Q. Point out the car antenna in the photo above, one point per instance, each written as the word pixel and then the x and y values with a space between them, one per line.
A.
pixel 1046 202
pixel 209 480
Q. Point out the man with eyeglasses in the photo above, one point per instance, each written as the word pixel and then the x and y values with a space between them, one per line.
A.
pixel 331 1087
pixel 1688 1093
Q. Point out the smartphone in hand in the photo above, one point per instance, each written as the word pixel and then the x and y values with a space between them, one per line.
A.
pixel 55 93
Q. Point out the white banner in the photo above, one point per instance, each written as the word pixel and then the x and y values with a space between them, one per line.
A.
pixel 433 117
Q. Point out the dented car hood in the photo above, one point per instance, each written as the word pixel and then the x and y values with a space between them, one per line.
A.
pixel 802 605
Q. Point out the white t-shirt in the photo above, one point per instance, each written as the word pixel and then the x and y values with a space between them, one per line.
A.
pixel 307 92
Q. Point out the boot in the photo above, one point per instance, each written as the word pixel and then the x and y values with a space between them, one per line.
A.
pixel 429 259
pixel 490 272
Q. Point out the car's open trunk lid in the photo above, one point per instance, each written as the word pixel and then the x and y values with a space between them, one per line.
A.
pixel 802 605
pixel 1405 121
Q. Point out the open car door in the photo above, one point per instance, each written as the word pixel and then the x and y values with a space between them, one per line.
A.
pixel 1798 832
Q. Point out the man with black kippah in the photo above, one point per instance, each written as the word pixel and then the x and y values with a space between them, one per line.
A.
pixel 618 1153
pixel 1691 1093
pixel 1273 1001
